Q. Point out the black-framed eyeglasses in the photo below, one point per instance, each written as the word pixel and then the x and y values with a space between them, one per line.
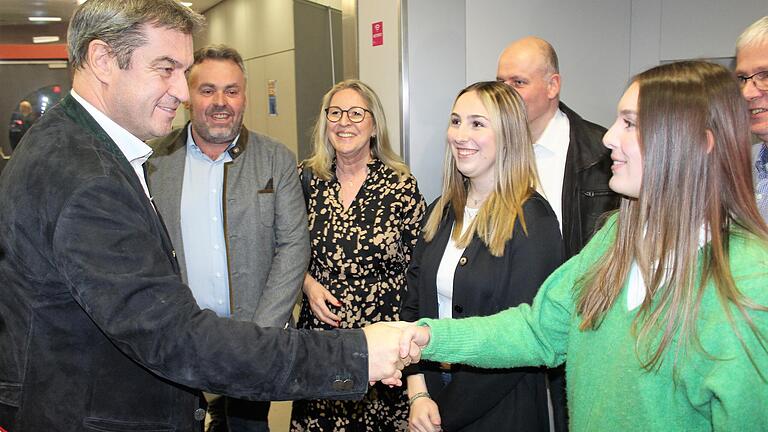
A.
pixel 760 79
pixel 354 114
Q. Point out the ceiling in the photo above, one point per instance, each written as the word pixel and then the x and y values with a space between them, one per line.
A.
pixel 15 27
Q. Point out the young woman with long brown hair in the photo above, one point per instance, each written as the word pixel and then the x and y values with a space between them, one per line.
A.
pixel 662 317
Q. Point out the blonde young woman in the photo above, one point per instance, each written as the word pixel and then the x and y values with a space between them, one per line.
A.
pixel 489 242
pixel 364 210
pixel 662 316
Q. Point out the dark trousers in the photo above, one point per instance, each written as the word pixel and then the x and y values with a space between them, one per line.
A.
pixel 237 415
pixel 559 402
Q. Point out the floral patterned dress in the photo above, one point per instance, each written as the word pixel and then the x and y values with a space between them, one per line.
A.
pixel 361 255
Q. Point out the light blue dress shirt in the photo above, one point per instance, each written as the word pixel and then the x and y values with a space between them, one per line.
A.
pixel 202 227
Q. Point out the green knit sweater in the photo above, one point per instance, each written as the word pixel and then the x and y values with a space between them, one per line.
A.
pixel 712 387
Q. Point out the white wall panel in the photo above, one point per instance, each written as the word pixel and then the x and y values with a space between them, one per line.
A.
pixel 592 40
pixel 255 27
pixel 380 65
pixel 280 67
pixel 705 28
pixel 436 40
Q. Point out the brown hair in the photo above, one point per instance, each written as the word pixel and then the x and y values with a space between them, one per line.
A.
pixel 693 132
pixel 514 171
pixel 217 52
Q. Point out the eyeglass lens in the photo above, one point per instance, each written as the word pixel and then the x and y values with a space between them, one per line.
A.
pixel 760 80
pixel 355 114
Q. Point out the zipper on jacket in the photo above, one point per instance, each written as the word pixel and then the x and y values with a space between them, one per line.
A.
pixel 592 194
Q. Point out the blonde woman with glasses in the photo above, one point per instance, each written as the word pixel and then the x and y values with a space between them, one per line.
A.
pixel 364 211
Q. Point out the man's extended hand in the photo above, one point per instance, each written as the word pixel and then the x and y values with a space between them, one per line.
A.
pixel 386 357
pixel 413 337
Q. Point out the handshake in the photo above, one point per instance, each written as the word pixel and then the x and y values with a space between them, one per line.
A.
pixel 391 347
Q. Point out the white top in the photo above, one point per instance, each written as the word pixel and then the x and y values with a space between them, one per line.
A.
pixel 551 150
pixel 447 268
pixel 636 287
pixel 132 148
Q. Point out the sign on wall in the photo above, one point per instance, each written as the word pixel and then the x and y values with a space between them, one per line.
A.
pixel 272 97
pixel 377 33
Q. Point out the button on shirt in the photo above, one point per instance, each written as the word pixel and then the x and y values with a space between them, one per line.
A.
pixel 760 156
pixel 202 227
pixel 132 148
pixel 551 151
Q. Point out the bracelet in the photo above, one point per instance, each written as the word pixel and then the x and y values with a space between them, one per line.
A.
pixel 416 396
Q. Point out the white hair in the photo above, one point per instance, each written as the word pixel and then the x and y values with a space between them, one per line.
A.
pixel 755 34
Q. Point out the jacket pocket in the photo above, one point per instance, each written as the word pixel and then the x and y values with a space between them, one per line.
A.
pixel 10 394
pixel 106 425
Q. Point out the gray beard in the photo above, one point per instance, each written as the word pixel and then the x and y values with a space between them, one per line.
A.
pixel 224 137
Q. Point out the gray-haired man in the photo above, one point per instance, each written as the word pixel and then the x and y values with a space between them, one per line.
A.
pixel 97 330
pixel 752 73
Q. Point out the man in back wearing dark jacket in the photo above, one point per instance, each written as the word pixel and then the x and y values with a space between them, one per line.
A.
pixel 574 167
pixel 97 330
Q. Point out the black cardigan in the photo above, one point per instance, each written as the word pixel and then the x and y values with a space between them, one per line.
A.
pixel 484 399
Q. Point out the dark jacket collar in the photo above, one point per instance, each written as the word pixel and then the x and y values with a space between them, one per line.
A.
pixel 81 117
pixel 584 155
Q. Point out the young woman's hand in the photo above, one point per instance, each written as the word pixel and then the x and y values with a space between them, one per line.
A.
pixel 424 416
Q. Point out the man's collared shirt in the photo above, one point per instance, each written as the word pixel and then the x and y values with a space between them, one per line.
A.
pixel 202 227
pixel 132 148
pixel 551 151
pixel 760 171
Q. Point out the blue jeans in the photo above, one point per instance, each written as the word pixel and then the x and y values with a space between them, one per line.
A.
pixel 446 377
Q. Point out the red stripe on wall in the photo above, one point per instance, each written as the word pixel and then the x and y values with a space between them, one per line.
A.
pixel 33 52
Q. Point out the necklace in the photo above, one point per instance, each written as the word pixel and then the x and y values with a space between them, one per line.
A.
pixel 476 202
pixel 351 179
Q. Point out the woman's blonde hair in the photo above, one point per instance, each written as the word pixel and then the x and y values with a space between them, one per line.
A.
pixel 514 172
pixel 323 152
pixel 693 131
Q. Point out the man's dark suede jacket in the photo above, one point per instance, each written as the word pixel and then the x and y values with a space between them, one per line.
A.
pixel 586 196
pixel 97 332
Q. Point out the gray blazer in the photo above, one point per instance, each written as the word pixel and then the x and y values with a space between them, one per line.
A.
pixel 265 221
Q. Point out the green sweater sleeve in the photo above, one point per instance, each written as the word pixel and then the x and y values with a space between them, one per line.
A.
pixel 524 335
pixel 732 369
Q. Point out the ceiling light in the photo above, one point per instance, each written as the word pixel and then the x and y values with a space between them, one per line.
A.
pixel 45 19
pixel 45 39
pixel 81 1
pixel 187 4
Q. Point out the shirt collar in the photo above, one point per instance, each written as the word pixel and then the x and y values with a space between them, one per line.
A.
pixel 132 148
pixel 551 138
pixel 192 147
